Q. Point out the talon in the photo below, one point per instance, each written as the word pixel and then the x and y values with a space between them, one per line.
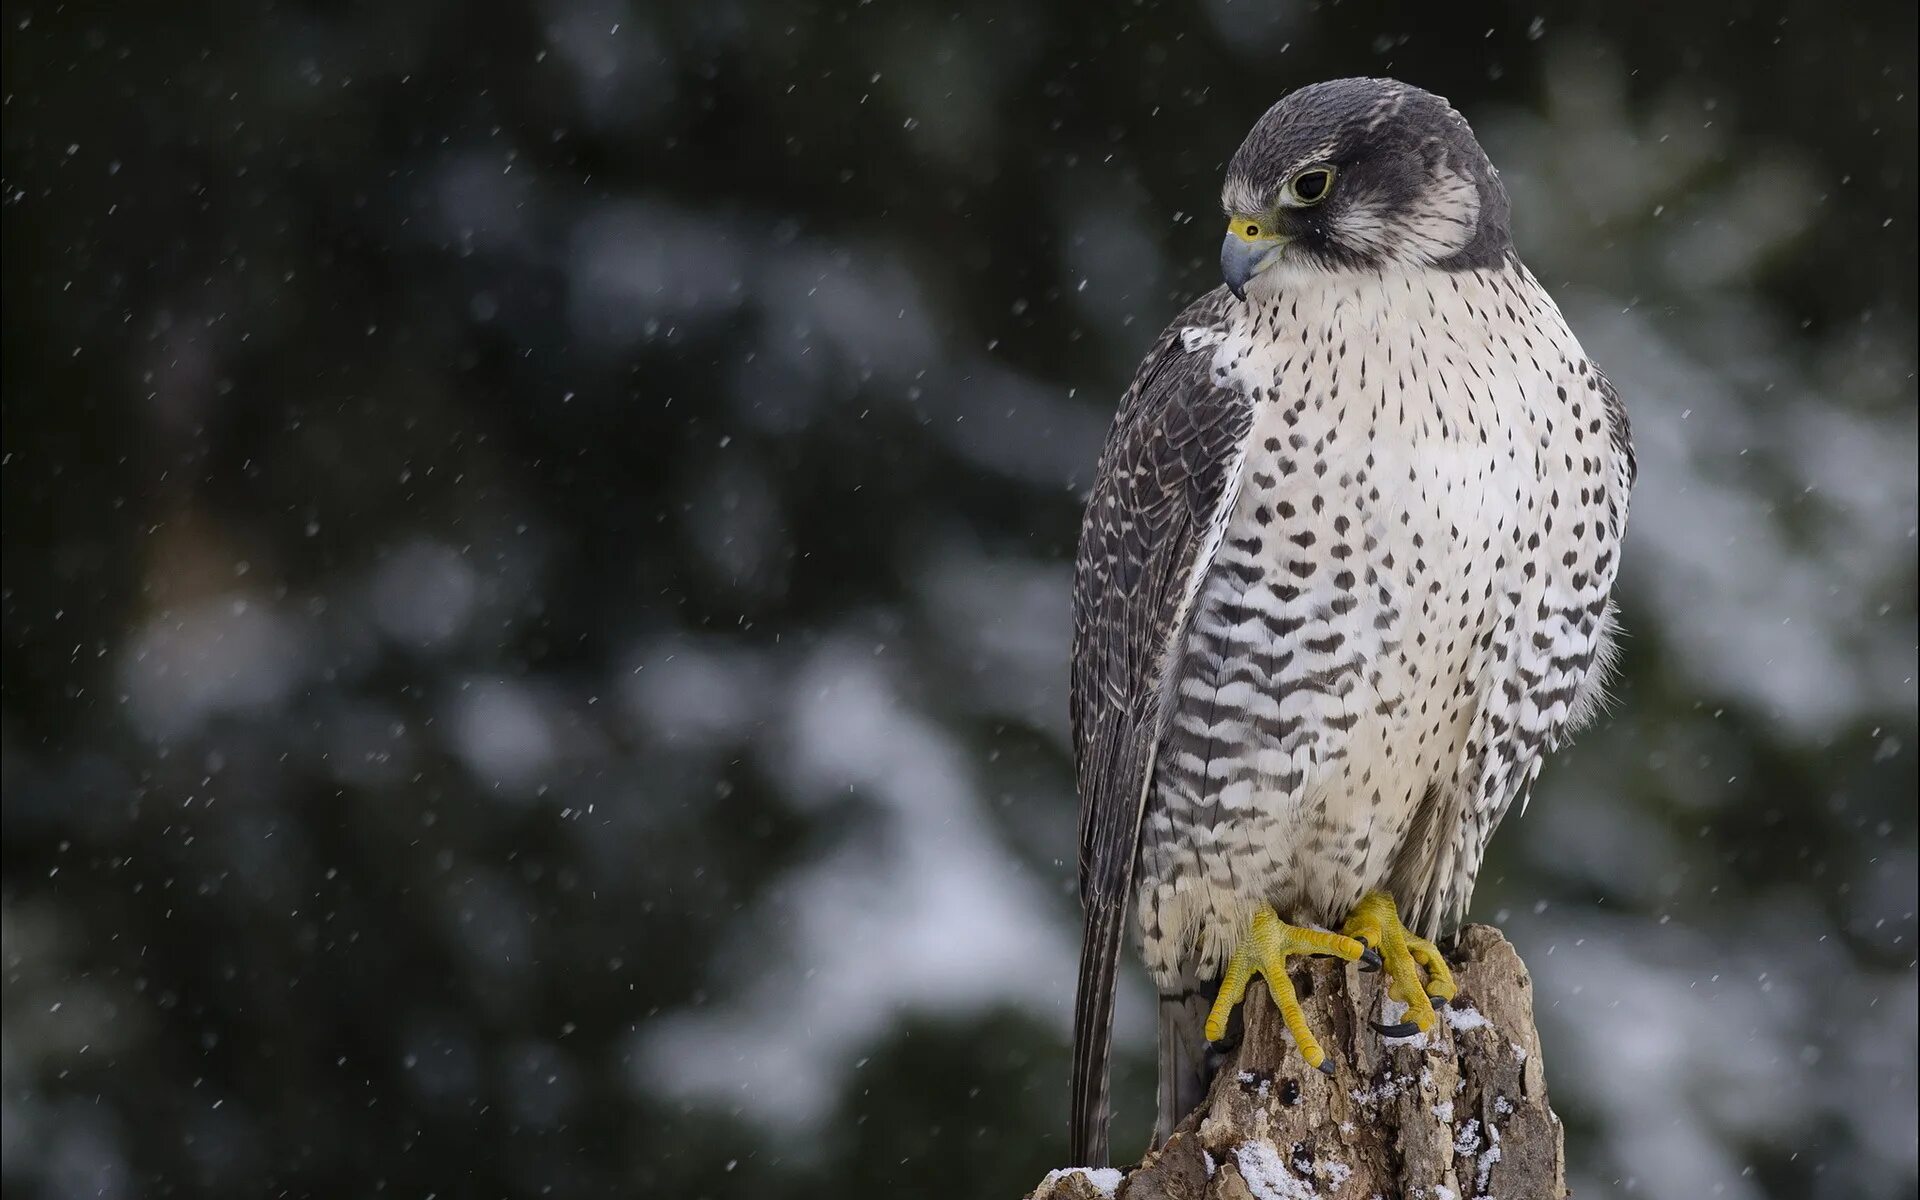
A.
pixel 1265 949
pixel 1402 956
pixel 1370 960
pixel 1326 1067
pixel 1402 1030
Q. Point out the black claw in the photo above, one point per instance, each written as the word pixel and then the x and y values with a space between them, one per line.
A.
pixel 1326 1067
pixel 1403 1029
pixel 1369 959
pixel 1438 1001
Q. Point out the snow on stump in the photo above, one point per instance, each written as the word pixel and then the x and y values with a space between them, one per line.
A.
pixel 1457 1114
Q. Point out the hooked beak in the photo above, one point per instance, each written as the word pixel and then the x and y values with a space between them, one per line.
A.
pixel 1241 259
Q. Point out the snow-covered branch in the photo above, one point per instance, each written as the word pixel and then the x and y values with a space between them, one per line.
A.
pixel 1459 1114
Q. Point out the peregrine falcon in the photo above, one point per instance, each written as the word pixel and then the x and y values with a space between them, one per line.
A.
pixel 1344 579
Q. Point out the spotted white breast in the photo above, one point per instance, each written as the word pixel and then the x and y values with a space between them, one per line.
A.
pixel 1407 602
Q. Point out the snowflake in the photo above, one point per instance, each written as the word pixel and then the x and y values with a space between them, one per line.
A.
pixel 1267 1175
pixel 1465 1017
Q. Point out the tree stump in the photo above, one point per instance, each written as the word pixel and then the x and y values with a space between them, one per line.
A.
pixel 1457 1114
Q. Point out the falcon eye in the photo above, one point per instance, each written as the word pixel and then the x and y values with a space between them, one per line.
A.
pixel 1250 230
pixel 1310 187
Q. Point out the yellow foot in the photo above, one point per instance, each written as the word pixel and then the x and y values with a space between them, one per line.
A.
pixel 1265 949
pixel 1375 923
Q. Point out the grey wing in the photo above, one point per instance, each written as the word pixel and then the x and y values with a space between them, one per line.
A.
pixel 1548 670
pixel 1154 513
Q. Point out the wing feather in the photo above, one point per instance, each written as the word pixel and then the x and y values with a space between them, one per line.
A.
pixel 1164 480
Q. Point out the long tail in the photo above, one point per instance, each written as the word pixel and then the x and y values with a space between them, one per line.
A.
pixel 1093 1031
pixel 1186 1059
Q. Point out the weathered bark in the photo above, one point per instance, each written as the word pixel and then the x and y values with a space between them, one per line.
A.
pixel 1454 1115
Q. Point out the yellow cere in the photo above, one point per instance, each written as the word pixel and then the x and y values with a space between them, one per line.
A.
pixel 1248 229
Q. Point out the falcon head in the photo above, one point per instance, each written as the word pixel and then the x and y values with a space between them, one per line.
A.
pixel 1360 175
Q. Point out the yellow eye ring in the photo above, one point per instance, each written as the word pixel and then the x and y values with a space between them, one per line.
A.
pixel 1311 186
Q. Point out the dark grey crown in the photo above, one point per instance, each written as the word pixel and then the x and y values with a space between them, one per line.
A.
pixel 1403 159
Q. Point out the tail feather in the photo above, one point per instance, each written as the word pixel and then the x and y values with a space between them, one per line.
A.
pixel 1093 1032
pixel 1424 862
pixel 1186 1059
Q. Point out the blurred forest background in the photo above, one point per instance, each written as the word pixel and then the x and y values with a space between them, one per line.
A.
pixel 536 590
